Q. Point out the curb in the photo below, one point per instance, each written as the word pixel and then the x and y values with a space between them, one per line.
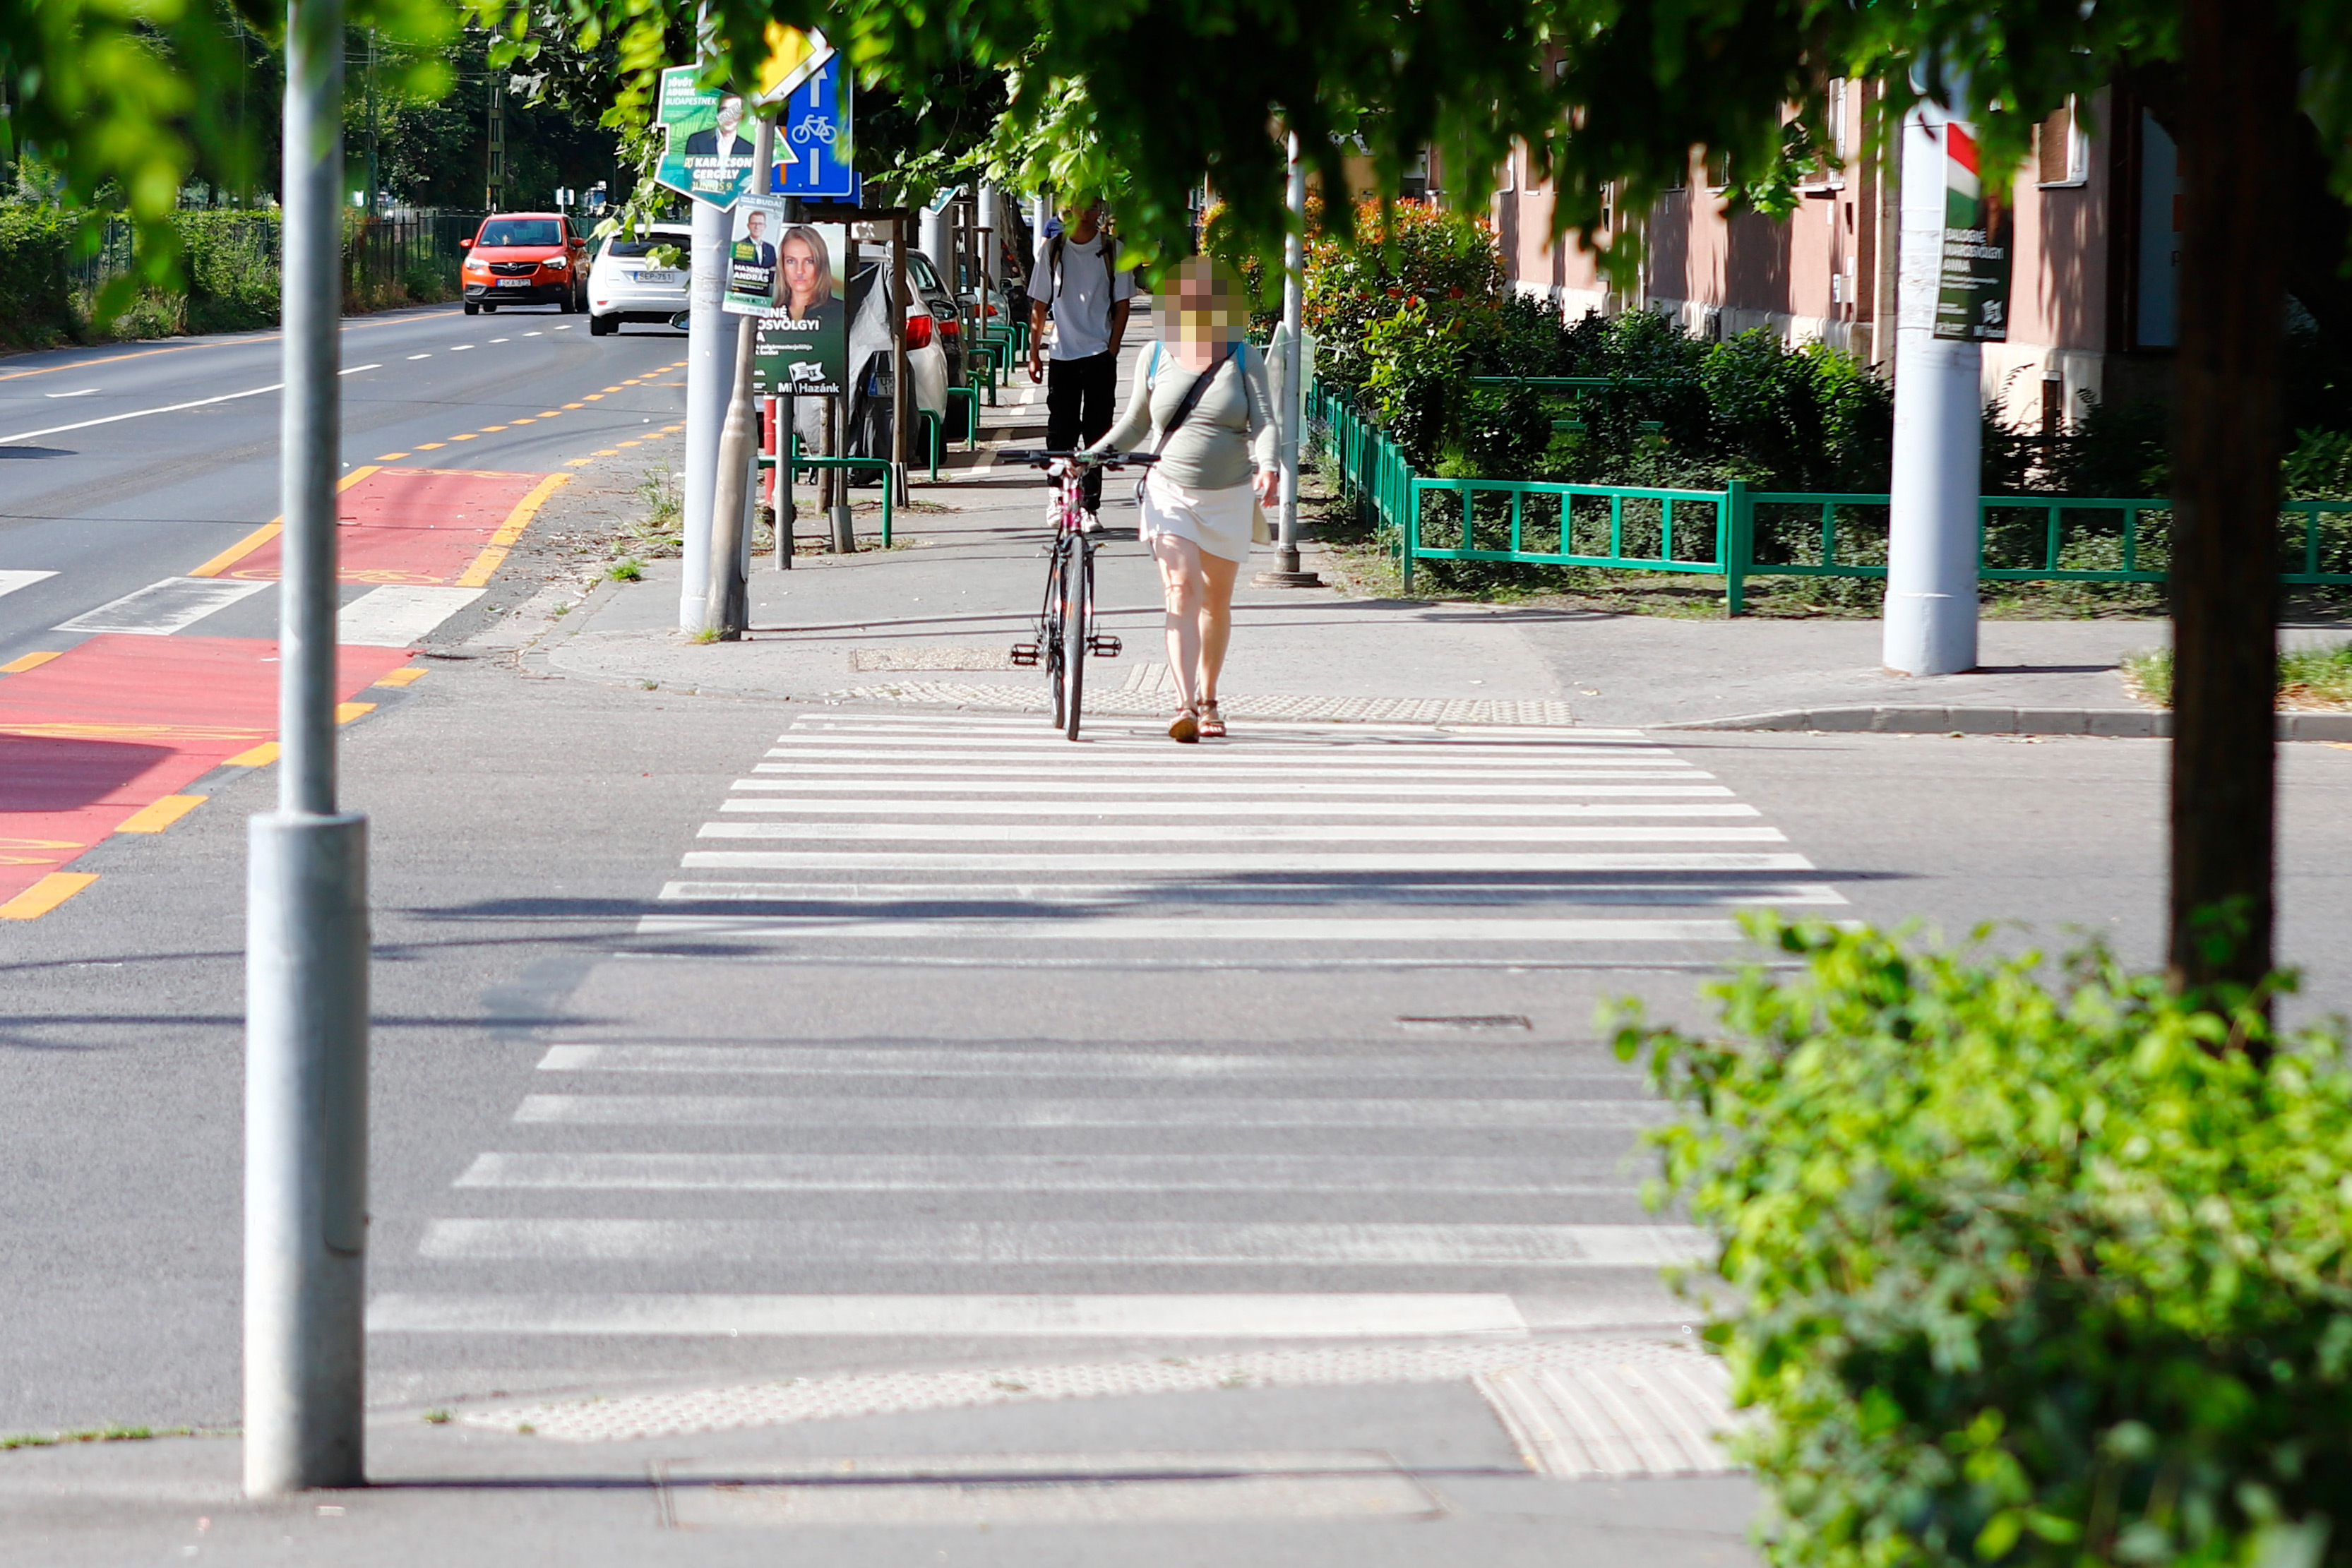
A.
pixel 2112 723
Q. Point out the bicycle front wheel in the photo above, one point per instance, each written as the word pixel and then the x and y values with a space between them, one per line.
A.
pixel 1053 633
pixel 1077 626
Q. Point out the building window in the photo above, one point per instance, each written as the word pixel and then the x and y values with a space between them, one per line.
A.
pixel 2063 149
pixel 1718 169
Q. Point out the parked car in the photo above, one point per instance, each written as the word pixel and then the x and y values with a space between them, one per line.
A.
pixel 629 282
pixel 526 259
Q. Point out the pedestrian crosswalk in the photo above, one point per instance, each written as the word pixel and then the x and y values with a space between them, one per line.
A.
pixel 1041 1186
pixel 936 832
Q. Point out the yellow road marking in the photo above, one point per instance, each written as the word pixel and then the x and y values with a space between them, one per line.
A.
pixel 461 438
pixel 594 397
pixel 488 429
pixel 346 712
pixel 577 462
pixel 406 675
pixel 576 405
pixel 431 445
pixel 155 818
pixel 261 756
pixel 270 531
pixel 548 414
pixel 478 574
pixel 392 457
pixel 29 661
pixel 45 894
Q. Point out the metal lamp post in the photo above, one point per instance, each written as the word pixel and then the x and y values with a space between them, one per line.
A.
pixel 307 927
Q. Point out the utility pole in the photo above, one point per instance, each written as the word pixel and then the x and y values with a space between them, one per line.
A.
pixel 494 193
pixel 306 923
pixel 1292 414
pixel 376 142
pixel 728 607
pixel 1931 549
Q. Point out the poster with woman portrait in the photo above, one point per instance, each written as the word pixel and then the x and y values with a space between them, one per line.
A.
pixel 805 335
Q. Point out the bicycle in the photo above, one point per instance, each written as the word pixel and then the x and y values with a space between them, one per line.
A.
pixel 1066 625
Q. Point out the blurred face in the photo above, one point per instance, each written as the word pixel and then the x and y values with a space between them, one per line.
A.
pixel 1210 307
pixel 800 269
pixel 730 115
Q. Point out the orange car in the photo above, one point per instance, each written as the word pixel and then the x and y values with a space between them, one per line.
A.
pixel 526 259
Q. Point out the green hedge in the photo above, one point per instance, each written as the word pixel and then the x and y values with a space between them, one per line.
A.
pixel 2023 1270
pixel 35 302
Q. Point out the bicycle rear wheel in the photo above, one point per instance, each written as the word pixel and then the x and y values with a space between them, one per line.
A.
pixel 1077 626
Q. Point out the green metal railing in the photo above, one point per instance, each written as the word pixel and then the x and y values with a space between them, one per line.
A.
pixel 1741 534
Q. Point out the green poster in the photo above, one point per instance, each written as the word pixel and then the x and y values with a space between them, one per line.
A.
pixel 706 151
pixel 1972 291
pixel 804 340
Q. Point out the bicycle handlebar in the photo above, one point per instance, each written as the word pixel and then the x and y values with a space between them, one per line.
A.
pixel 1038 457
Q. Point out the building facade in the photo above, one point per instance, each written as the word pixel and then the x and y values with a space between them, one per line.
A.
pixel 2092 292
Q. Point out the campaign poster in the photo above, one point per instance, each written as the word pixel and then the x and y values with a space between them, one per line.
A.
pixel 804 337
pixel 752 273
pixel 706 151
pixel 1972 291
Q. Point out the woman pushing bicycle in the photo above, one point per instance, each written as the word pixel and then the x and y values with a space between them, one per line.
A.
pixel 1201 391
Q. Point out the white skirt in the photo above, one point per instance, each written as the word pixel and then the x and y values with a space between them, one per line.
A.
pixel 1216 520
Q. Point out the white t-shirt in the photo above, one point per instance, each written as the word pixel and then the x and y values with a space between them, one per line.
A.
pixel 1082 304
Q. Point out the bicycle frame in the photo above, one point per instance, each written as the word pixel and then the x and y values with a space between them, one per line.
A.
pixel 1065 630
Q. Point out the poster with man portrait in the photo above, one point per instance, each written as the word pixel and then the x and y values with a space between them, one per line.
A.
pixel 804 334
pixel 752 274
pixel 706 151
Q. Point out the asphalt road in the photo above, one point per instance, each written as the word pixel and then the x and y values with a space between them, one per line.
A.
pixel 120 466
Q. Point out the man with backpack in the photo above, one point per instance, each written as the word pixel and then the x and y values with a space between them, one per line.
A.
pixel 1077 279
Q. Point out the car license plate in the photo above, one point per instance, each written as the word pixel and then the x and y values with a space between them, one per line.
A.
pixel 514 283
pixel 661 275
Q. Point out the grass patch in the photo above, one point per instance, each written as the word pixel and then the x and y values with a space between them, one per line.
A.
pixel 92 1435
pixel 2307 677
pixel 436 1418
pixel 628 568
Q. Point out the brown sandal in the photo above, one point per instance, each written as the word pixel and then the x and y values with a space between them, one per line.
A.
pixel 1186 729
pixel 1212 723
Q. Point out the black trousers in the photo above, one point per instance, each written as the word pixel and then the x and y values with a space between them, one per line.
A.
pixel 1079 394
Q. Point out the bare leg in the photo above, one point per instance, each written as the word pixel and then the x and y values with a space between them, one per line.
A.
pixel 1216 618
pixel 1184 586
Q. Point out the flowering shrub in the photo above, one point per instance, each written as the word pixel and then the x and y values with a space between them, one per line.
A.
pixel 1445 263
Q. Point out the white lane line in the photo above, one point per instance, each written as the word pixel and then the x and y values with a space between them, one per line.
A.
pixel 529 334
pixel 1155 928
pixel 931 1061
pixel 986 765
pixel 461 348
pixel 420 356
pixel 500 340
pixel 168 407
pixel 1237 1316
pixel 1431 761
pixel 1016 1242
pixel 1227 804
pixel 399 615
pixel 1041 1172
pixel 1499 734
pixel 1064 831
pixel 1244 795
pixel 1398 864
pixel 1325 894
pixel 1022 774
pixel 10 582
pixel 163 608
pixel 1163 1112
pixel 78 392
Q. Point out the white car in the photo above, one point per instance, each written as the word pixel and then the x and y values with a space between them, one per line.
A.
pixel 627 283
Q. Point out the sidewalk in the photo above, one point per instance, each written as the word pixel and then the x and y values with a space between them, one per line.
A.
pixel 1400 1473
pixel 930 624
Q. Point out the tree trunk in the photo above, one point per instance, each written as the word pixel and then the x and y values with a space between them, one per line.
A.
pixel 2236 122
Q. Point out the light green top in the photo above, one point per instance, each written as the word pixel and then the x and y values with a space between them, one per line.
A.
pixel 1230 431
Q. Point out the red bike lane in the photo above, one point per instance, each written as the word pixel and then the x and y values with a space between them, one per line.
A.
pixel 104 736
